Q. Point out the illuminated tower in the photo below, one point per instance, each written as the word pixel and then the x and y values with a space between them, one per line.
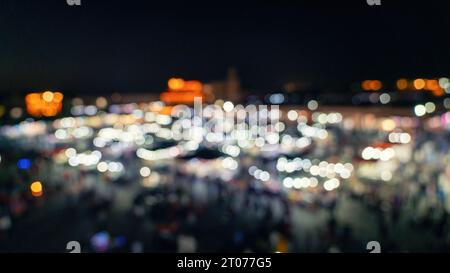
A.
pixel 232 86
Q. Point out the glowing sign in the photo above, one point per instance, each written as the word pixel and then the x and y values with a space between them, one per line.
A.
pixel 182 92
pixel 47 104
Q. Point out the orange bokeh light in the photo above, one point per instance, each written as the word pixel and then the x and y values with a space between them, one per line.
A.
pixel 376 85
pixel 47 104
pixel 419 84
pixel 402 84
pixel 175 84
pixel 181 91
pixel 371 85
pixel 366 85
pixel 438 92
pixel 432 84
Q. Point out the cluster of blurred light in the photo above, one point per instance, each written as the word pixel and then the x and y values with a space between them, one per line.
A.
pixel 300 182
pixel 131 133
pixel 331 184
pixel 371 153
pixel 160 154
pixel 128 108
pixel 177 84
pixel 74 122
pixel 231 150
pixel 246 126
pixel 112 166
pixel 181 91
pixel 397 137
pixel 190 145
pixel 259 174
pixel 435 86
pixel 299 116
pixel 85 159
pixel 164 133
pixel 331 118
pixel 376 172
pixel 300 143
pixel 229 163
pixel 67 122
pixel 289 166
pixel 47 104
pixel 312 131
pixel 272 138
pixel 330 170
pixel 371 85
pixel 303 142
pixel 421 110
pixel 163 119
pixel 323 169
pixel 221 168
pixel 79 110
pixel 24 129
pixel 181 132
pixel 80 132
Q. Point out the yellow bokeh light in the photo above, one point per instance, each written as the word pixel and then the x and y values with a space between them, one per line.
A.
pixel 175 84
pixel 388 125
pixel 36 188
pixel 47 96
pixel 101 102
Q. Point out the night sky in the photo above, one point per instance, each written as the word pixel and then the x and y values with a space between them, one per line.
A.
pixel 135 46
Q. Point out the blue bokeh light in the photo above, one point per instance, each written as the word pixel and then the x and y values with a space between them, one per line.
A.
pixel 24 163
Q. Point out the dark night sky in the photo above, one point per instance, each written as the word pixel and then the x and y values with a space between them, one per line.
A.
pixel 134 46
